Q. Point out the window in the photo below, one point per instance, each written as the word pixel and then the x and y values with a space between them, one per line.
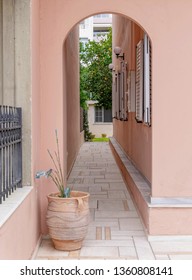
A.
pixel 98 114
pixel 102 114
pixel 143 81
pixel 120 102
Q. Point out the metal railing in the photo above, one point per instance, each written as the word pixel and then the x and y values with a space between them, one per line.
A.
pixel 10 150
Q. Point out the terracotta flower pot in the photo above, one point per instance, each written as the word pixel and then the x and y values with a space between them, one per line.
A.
pixel 67 220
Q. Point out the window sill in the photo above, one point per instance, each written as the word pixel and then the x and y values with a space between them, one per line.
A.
pixel 8 207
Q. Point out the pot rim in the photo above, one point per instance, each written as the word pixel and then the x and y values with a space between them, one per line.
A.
pixel 55 195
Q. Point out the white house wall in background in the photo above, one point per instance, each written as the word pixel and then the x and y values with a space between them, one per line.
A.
pixel 99 119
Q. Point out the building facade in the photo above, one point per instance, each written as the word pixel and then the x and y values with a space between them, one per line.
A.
pixel 91 27
pixel 99 119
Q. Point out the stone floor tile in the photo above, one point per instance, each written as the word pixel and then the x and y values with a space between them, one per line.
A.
pixel 78 168
pixel 79 188
pixel 100 195
pixel 116 194
pixel 124 235
pixel 131 205
pixel 126 207
pixel 181 257
pixel 109 170
pixel 117 186
pixel 111 180
pixel 108 243
pixel 98 233
pixel 75 173
pixel 116 214
pixel 130 224
pixel 108 205
pixel 143 248
pixel 93 177
pixel 127 194
pixel 105 187
pixel 128 252
pixel 93 203
pixel 96 190
pixel 98 187
pixel 107 233
pixel 100 223
pixel 47 250
pixel 162 257
pixel 91 234
pixel 113 176
pixel 106 220
pixel 92 214
pixel 88 180
pixel 99 252
pixel 75 254
pixel 171 247
pixel 98 171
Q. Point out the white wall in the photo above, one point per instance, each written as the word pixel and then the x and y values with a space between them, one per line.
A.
pixel 98 128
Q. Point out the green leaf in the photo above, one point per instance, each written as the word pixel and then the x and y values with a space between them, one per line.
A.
pixel 95 77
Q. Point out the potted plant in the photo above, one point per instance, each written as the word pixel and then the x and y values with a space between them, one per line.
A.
pixel 68 210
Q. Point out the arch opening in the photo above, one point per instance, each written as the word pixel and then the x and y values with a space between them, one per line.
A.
pixel 67 116
pixel 127 34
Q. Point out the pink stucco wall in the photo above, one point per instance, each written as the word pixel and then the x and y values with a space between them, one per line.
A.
pixel 134 138
pixel 19 235
pixel 71 78
pixel 171 151
pixel 170 221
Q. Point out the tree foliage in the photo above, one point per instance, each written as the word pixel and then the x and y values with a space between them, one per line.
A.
pixel 95 77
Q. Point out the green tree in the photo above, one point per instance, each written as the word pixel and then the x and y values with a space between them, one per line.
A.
pixel 95 77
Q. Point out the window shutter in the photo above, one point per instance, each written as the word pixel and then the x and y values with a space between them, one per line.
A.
pixel 147 80
pixel 114 105
pixel 139 82
pixel 131 91
pixel 117 90
pixel 121 103
pixel 107 115
pixel 125 88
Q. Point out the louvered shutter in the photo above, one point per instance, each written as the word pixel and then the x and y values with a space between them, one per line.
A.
pixel 122 92
pixel 114 105
pixel 147 80
pixel 125 96
pixel 121 87
pixel 118 95
pixel 139 82
pixel 131 91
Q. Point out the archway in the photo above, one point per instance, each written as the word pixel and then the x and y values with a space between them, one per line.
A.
pixel 56 28
pixel 132 129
